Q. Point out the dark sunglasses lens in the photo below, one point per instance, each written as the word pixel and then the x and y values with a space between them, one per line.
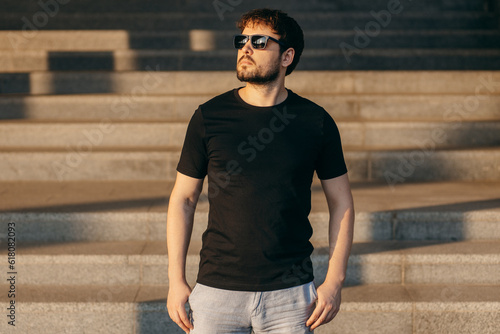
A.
pixel 240 41
pixel 259 42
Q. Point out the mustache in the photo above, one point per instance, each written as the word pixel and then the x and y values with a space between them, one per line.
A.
pixel 246 57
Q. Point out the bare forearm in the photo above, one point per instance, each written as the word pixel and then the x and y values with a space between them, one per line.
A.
pixel 179 228
pixel 180 216
pixel 340 233
pixel 341 227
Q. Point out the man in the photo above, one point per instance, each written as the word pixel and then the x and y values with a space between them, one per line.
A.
pixel 259 146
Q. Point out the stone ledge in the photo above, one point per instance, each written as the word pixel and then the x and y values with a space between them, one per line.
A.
pixel 411 309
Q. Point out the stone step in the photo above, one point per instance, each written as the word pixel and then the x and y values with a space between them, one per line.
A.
pixel 90 162
pixel 210 83
pixel 224 60
pixel 133 6
pixel 169 21
pixel 90 211
pixel 362 107
pixel 145 263
pixel 369 135
pixel 205 40
pixel 148 135
pixel 374 309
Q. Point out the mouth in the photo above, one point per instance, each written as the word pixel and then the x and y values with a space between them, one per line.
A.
pixel 245 61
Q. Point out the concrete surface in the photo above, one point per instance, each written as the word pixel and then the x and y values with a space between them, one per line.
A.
pixel 365 309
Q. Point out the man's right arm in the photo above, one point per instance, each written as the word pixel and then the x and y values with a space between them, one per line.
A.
pixel 180 217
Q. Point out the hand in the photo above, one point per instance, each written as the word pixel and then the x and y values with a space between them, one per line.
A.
pixel 327 305
pixel 178 294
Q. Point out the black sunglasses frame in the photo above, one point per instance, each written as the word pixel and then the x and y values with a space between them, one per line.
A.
pixel 256 36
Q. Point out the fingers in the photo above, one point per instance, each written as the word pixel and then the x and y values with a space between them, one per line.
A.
pixel 177 298
pixel 315 315
pixel 325 318
pixel 321 315
pixel 184 319
pixel 179 316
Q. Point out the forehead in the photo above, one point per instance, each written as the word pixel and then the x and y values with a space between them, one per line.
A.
pixel 259 28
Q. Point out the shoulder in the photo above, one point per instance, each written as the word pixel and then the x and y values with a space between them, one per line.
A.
pixel 302 102
pixel 219 101
pixel 308 107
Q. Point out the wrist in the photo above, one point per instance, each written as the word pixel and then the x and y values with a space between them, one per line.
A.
pixel 176 279
pixel 335 282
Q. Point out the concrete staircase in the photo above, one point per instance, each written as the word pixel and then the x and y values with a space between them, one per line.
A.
pixel 94 106
pixel 196 35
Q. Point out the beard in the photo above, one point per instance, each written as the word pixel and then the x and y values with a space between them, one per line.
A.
pixel 258 75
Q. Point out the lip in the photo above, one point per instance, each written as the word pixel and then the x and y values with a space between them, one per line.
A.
pixel 245 61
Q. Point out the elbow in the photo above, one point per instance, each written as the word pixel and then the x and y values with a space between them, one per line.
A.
pixel 190 202
pixel 185 201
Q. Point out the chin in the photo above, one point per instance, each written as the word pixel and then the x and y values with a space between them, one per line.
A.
pixel 244 76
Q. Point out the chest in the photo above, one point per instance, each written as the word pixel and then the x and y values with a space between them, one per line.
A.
pixel 262 141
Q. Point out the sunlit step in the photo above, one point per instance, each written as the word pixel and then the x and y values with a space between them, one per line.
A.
pixel 225 59
pixel 355 135
pixel 99 210
pixel 206 39
pixel 155 81
pixel 92 163
pixel 144 263
pixel 365 309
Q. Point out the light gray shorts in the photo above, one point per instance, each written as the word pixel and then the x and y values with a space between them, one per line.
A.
pixel 220 311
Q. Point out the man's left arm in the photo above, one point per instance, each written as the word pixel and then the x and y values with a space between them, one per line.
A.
pixel 341 226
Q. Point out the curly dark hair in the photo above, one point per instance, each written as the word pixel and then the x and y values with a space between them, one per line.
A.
pixel 281 24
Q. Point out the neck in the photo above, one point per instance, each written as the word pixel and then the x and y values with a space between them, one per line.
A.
pixel 267 95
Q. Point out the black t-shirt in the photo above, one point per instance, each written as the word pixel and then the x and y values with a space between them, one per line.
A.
pixel 260 163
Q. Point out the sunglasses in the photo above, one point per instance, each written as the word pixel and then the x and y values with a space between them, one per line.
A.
pixel 259 42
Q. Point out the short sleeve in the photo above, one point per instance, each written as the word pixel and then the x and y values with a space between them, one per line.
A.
pixel 330 162
pixel 194 159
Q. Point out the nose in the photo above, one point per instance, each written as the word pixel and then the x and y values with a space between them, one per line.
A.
pixel 247 48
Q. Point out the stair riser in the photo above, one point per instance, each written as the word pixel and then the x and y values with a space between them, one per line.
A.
pixel 93 135
pixel 65 6
pixel 313 83
pixel 155 22
pixel 205 40
pixel 109 226
pixel 125 108
pixel 343 107
pixel 429 136
pixel 81 163
pixel 362 269
pixel 336 59
pixel 110 317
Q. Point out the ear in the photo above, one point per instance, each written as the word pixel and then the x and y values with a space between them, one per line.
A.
pixel 287 57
